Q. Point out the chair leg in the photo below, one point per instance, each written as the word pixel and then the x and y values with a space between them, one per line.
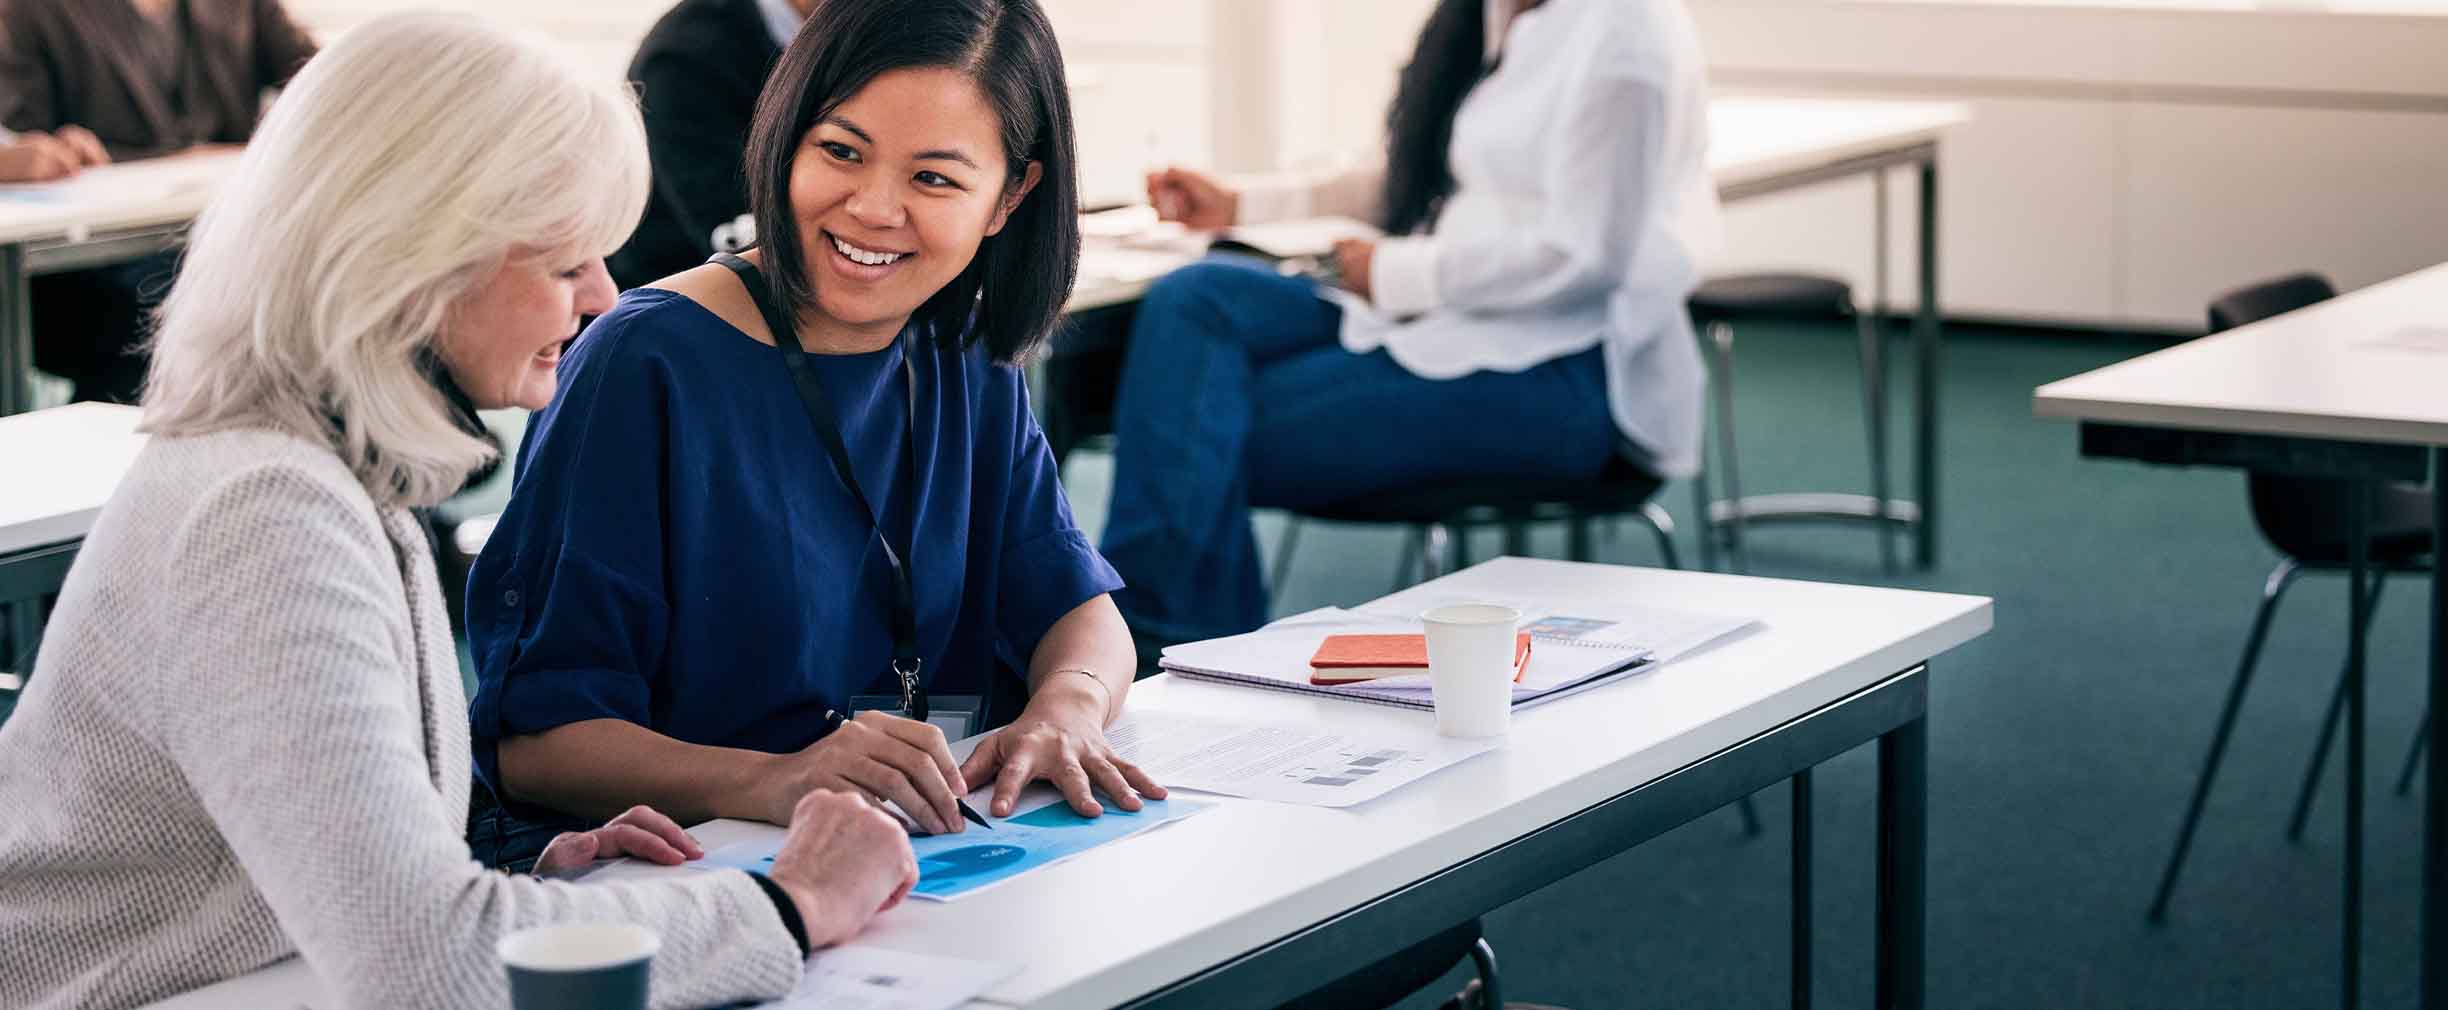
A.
pixel 1491 993
pixel 2329 725
pixel 2272 591
pixel 1663 525
pixel 1701 527
pixel 1407 564
pixel 1283 558
pixel 2422 734
pixel 1721 342
pixel 1457 548
pixel 1577 539
pixel 1874 410
pixel 1436 541
pixel 1517 538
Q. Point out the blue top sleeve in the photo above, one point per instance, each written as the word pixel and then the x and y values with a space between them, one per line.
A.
pixel 566 613
pixel 1048 567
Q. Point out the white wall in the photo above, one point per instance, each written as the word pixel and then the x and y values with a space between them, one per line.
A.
pixel 1141 72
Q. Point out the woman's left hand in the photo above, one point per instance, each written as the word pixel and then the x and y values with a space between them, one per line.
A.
pixel 642 832
pixel 1059 738
pixel 1353 256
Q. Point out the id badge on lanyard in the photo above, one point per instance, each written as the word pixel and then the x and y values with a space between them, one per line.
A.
pixel 957 715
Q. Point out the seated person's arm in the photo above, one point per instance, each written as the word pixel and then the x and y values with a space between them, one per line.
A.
pixel 1208 202
pixel 292 719
pixel 1054 608
pixel 1604 182
pixel 281 47
pixel 695 131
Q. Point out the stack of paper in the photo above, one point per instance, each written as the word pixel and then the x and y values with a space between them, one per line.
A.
pixel 1574 650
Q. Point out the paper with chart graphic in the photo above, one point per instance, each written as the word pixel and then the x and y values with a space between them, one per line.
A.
pixel 872 978
pixel 1044 832
pixel 1308 765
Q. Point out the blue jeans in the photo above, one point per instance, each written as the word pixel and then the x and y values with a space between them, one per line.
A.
pixel 1237 393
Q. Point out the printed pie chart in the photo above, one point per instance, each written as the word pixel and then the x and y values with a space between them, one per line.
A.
pixel 968 861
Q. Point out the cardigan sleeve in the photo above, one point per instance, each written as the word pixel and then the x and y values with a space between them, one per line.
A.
pixel 291 716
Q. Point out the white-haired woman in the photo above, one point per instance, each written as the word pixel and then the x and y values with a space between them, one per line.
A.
pixel 246 737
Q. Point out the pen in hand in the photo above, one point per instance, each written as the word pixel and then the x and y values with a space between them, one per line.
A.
pixel 834 720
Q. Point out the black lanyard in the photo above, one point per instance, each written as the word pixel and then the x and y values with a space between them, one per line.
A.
pixel 905 661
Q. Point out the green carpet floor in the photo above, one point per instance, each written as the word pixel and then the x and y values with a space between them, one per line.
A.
pixel 2062 744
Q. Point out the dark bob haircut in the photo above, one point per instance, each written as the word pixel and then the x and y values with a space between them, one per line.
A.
pixel 1012 293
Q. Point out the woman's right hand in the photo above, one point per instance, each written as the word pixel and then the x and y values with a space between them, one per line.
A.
pixel 880 756
pixel 1192 198
pixel 843 862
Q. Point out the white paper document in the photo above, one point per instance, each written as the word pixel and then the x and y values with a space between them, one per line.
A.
pixel 1309 765
pixel 872 978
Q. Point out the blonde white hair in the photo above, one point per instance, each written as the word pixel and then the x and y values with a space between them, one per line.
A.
pixel 395 174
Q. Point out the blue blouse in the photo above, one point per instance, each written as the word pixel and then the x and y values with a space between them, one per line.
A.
pixel 678 551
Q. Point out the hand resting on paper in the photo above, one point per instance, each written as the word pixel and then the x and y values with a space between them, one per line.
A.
pixel 1059 738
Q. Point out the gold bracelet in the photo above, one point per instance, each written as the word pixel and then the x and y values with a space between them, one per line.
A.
pixel 1092 678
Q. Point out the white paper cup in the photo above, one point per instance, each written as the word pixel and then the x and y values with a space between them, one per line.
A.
pixel 579 966
pixel 1470 667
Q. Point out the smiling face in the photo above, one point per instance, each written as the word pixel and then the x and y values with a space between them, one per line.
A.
pixel 892 193
pixel 503 342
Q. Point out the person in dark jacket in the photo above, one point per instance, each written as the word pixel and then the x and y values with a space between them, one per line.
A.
pixel 698 74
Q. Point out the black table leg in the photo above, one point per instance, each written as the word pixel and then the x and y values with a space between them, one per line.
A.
pixel 2434 939
pixel 1903 843
pixel 2358 606
pixel 1925 325
pixel 1802 889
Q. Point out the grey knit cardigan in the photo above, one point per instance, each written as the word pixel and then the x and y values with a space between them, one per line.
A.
pixel 246 738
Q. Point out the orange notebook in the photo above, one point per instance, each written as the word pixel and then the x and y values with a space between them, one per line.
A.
pixel 1351 659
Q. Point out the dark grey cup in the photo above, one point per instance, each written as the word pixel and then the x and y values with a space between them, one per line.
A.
pixel 578 967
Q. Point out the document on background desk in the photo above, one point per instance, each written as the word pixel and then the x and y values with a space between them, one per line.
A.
pixel 872 978
pixel 1308 765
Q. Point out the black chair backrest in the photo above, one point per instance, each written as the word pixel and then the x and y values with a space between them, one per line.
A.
pixel 2305 517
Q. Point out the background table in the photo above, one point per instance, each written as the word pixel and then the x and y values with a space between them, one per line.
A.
pixel 1251 903
pixel 107 215
pixel 67 461
pixel 2354 388
pixel 1757 146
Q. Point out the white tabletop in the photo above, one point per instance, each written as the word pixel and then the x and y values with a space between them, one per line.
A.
pixel 63 464
pixel 2370 366
pixel 1127 919
pixel 137 194
pixel 1753 139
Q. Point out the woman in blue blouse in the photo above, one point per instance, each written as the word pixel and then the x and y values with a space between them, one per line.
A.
pixel 687 596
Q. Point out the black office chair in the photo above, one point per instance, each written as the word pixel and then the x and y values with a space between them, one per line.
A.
pixel 1716 306
pixel 2305 520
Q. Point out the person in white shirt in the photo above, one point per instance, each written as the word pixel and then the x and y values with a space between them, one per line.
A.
pixel 1545 198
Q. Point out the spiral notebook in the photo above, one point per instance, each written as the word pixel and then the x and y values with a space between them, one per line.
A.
pixel 1574 650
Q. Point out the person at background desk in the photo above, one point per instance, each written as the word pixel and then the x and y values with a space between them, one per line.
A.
pixel 148 78
pixel 777 487
pixel 245 736
pixel 698 73
pixel 1545 190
